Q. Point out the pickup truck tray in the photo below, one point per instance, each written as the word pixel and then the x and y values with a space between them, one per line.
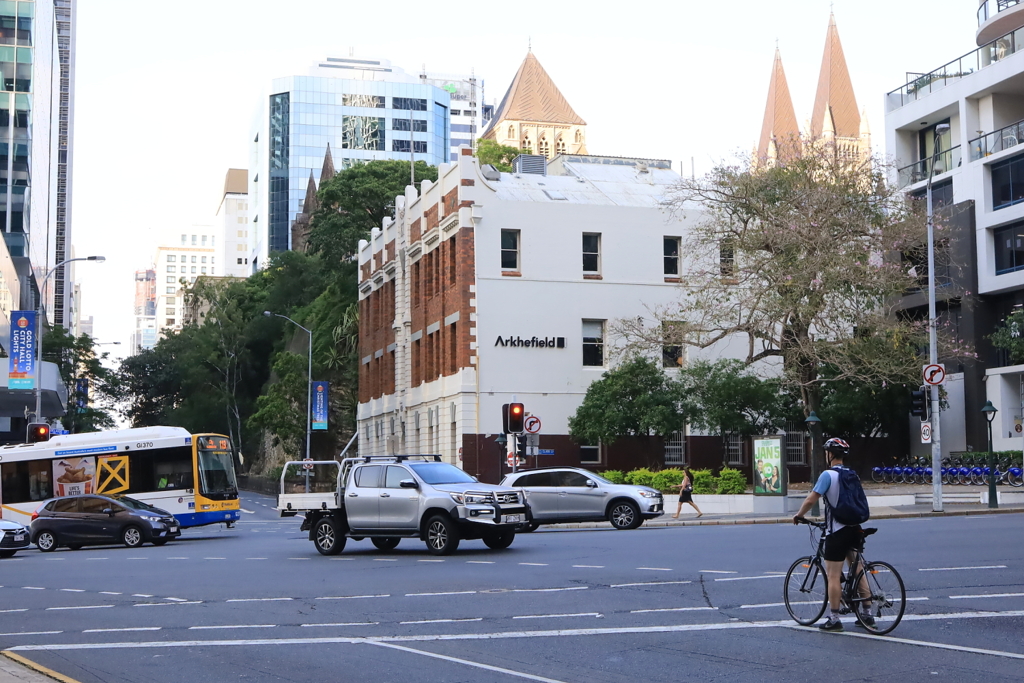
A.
pixel 305 501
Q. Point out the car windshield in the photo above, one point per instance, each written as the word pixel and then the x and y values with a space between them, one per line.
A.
pixel 136 504
pixel 598 477
pixel 440 473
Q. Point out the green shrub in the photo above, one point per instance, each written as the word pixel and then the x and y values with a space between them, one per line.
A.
pixel 731 481
pixel 274 473
pixel 704 482
pixel 640 477
pixel 667 481
pixel 614 476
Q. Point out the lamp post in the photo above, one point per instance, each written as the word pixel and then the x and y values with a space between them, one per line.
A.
pixel 933 346
pixel 990 414
pixel 39 329
pixel 813 423
pixel 309 377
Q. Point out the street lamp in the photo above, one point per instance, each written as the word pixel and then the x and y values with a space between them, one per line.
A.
pixel 39 329
pixel 933 346
pixel 990 414
pixel 813 423
pixel 309 384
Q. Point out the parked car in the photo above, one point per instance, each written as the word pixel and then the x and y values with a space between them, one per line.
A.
pixel 76 521
pixel 571 494
pixel 13 537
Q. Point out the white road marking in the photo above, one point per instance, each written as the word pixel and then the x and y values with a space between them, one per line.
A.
pixel 655 569
pixel 559 616
pixel 549 590
pixel 118 630
pixel 79 607
pixel 5 611
pixel 533 564
pixel 249 512
pixel 781 604
pixel 588 566
pixel 353 597
pixel 341 559
pixel 989 595
pixel 32 633
pixel 354 623
pixel 176 599
pixel 413 595
pixel 424 560
pixel 478 665
pixel 32 588
pixel 208 628
pixel 648 583
pixel 259 600
pixel 380 559
pixel 957 569
pixel 177 558
pixel 750 578
pixel 474 562
pixel 441 621
pixel 110 593
pixel 716 571
pixel 938 646
pixel 158 604
pixel 72 590
pixel 671 609
pixel 141 595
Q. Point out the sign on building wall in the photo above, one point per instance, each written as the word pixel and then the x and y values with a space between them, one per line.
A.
pixel 769 472
pixel 532 342
pixel 22 369
pixel 319 406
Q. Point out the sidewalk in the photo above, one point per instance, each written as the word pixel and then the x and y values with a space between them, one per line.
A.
pixel 12 670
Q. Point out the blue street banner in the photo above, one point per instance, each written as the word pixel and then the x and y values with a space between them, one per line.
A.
pixel 319 406
pixel 82 393
pixel 22 369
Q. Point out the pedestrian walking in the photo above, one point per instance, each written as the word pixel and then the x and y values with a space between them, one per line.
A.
pixel 686 494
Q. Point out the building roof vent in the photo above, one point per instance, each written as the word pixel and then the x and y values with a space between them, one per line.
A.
pixel 489 172
pixel 535 164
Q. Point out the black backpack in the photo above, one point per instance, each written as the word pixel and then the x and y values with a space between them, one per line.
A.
pixel 851 506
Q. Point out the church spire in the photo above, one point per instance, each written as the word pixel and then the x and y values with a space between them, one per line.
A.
pixel 835 106
pixel 780 128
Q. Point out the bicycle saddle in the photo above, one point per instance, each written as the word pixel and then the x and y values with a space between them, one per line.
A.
pixel 868 532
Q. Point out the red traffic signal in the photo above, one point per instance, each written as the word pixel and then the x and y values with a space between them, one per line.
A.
pixel 516 417
pixel 38 432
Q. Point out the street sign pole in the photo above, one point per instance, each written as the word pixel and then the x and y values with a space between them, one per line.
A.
pixel 933 378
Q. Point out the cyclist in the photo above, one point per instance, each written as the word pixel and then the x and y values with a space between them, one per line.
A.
pixel 840 541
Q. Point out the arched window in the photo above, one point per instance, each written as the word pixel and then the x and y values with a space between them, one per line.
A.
pixel 527 146
pixel 511 131
pixel 579 135
pixel 543 147
pixel 560 146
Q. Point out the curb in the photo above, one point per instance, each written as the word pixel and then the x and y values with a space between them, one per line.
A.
pixel 38 668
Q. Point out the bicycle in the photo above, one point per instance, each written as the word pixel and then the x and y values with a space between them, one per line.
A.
pixel 806 588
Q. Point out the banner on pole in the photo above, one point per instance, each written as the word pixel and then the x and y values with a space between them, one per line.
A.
pixel 319 406
pixel 82 393
pixel 22 369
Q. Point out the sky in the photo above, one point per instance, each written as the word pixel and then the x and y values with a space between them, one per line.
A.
pixel 165 94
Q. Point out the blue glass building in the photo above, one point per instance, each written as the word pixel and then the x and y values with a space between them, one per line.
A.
pixel 363 109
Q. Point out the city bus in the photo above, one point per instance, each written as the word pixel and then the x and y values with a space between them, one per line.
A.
pixel 192 476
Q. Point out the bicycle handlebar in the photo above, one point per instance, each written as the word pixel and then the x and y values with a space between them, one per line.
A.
pixel 804 520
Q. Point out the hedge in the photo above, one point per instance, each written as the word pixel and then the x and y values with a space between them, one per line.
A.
pixel 705 482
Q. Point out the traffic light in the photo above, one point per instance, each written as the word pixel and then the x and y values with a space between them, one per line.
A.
pixel 521 449
pixel 516 416
pixel 38 432
pixel 919 403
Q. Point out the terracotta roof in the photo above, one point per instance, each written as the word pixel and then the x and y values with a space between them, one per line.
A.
pixel 780 123
pixel 533 96
pixel 835 100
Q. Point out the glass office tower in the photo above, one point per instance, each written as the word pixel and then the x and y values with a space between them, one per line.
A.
pixel 363 109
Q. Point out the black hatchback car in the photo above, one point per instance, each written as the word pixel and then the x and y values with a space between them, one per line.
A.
pixel 76 521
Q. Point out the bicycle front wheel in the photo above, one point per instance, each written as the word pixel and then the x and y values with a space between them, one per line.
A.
pixel 888 598
pixel 806 591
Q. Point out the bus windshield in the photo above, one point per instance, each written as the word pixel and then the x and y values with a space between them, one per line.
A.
pixel 216 469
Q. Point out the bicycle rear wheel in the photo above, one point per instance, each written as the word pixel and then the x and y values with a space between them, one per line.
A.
pixel 806 591
pixel 888 597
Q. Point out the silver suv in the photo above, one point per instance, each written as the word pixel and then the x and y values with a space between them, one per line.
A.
pixel 571 494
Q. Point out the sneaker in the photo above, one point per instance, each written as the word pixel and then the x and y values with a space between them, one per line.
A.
pixel 865 620
pixel 831 625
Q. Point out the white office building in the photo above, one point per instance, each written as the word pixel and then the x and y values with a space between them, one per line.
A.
pixel 178 264
pixel 232 220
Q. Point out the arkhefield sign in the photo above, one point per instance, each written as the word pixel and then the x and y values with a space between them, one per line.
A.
pixel 532 342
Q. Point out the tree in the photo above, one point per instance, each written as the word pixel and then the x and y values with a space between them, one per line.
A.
pixel 88 410
pixel 1008 337
pixel 357 200
pixel 635 399
pixel 802 260
pixel 499 156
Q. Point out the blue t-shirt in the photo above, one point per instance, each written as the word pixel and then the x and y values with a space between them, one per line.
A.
pixel 823 487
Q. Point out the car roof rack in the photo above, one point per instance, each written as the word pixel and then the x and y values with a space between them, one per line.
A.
pixel 399 458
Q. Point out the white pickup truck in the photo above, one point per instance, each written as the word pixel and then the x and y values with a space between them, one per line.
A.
pixel 388 498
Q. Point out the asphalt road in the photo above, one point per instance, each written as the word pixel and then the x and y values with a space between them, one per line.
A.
pixel 697 603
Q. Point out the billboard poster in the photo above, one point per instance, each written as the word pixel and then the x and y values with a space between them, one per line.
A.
pixel 319 406
pixel 769 472
pixel 22 368
pixel 74 476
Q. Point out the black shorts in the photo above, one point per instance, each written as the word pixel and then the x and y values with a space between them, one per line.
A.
pixel 839 544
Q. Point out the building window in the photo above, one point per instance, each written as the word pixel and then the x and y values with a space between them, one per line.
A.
pixel 418 126
pixel 593 343
pixel 184 240
pixel 170 321
pixel 510 250
pixel 170 279
pixel 362 132
pixel 1008 182
pixel 170 290
pixel 727 258
pixel 591 252
pixel 408 103
pixel 590 454
pixel 735 454
pixel 239 261
pixel 195 239
pixel 203 270
pixel 671 347
pixel 171 269
pixel 193 269
pixel 511 131
pixel 579 136
pixel 171 258
pixel 169 311
pixel 671 255
pixel 372 101
pixel 1009 244
pixel 796 441
pixel 203 259
pixel 418 146
pixel 193 261
pixel 560 146
pixel 542 146
pixel 675 450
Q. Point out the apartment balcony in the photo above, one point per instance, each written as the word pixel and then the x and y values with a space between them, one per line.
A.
pixel 998 140
pixel 920 85
pixel 932 166
pixel 999 17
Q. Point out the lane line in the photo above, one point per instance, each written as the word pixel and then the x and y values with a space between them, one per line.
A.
pixel 159 604
pixel 97 558
pixel 376 559
pixel 215 558
pixel 474 562
pixel 648 583
pixel 110 593
pixel 48 609
pixel 413 595
pixel 957 569
pixel 560 616
pixel 209 628
pixel 588 566
pixel 716 571
pixel 118 630
pixel 55 559
pixel 32 633
pixel 988 595
pixel 478 665
pixel 671 609
pixel 32 588
pixel 353 597
pixel 5 611
pixel 259 600
pixel 177 558
pixel 72 590
pixel 752 578
pixel 937 646
pixel 422 560
pixel 176 599
pixel 141 595
pixel 301 558
pixel 549 590
pixel 354 623
pixel 441 621
pixel 533 564
pixel 655 569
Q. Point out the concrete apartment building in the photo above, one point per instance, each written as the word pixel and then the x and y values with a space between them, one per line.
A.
pixel 177 268
pixel 977 172
pixel 232 220
pixel 145 333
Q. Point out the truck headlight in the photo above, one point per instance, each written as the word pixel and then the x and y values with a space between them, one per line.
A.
pixel 470 498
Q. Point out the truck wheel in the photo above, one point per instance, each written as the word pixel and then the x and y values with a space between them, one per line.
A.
pixel 500 540
pixel 326 537
pixel 624 514
pixel 442 535
pixel 385 543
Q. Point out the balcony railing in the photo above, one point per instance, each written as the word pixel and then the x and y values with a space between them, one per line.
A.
pixel 918 171
pixel 997 140
pixel 986 55
pixel 990 8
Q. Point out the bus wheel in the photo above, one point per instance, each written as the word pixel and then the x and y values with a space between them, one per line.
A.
pixel 327 538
